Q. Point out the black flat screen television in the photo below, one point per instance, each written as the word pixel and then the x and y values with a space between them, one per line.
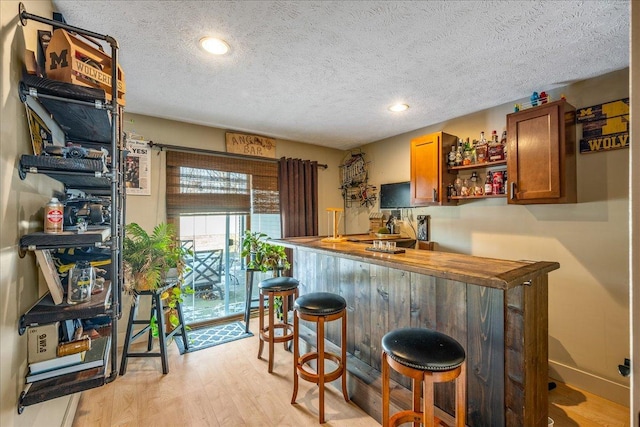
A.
pixel 396 195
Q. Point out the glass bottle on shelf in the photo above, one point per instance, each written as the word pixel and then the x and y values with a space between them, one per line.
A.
pixel 459 153
pixel 477 189
pixel 457 186
pixel 496 152
pixel 467 154
pixel 503 142
pixel 452 156
pixel 481 149
pixel 504 182
pixel 488 184
pixel 81 278
pixel 464 192
pixel 497 182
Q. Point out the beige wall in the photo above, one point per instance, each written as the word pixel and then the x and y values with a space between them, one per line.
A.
pixel 149 210
pixel 588 296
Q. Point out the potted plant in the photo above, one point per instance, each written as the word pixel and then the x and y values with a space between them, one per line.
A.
pixel 261 254
pixel 171 298
pixel 264 256
pixel 149 257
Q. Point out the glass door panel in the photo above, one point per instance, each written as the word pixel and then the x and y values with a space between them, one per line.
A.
pixel 215 269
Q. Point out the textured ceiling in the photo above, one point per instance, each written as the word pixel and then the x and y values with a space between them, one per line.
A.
pixel 324 72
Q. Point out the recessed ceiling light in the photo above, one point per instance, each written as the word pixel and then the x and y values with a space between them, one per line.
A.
pixel 396 108
pixel 214 45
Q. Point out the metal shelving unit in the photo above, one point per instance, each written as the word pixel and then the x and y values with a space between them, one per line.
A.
pixel 88 112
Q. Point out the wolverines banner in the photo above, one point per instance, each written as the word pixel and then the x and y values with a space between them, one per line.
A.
pixel 604 126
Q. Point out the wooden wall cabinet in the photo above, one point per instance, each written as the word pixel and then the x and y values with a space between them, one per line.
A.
pixel 429 173
pixel 541 154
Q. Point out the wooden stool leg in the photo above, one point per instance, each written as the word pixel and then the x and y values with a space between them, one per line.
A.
pixel 296 357
pixel 320 347
pixel 343 344
pixel 385 391
pixel 415 387
pixel 272 329
pixel 285 316
pixel 260 324
pixel 461 396
pixel 428 411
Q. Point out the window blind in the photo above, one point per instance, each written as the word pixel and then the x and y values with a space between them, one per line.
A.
pixel 200 183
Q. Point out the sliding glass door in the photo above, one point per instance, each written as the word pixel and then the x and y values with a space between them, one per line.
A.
pixel 215 269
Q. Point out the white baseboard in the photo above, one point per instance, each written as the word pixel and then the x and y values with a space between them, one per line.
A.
pixel 607 389
pixel 70 412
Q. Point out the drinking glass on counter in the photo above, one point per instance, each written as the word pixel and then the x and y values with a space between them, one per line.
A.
pixel 391 246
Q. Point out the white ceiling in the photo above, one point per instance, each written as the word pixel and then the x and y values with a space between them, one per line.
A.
pixel 324 72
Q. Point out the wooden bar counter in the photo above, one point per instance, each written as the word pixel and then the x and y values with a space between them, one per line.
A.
pixel 497 310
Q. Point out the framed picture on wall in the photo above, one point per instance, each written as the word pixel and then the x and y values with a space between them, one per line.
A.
pixel 137 168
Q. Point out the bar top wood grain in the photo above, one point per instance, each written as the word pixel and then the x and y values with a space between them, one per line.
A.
pixel 489 272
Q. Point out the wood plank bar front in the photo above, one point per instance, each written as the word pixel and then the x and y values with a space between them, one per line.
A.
pixel 497 309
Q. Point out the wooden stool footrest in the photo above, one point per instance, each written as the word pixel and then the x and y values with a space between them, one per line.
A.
pixel 312 376
pixel 286 336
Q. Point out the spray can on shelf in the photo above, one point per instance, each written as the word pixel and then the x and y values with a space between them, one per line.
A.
pixel 53 216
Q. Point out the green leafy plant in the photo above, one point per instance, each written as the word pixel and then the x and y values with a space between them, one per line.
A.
pixel 148 257
pixel 171 297
pixel 261 254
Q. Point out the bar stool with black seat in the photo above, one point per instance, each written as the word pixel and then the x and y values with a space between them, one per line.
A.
pixel 283 287
pixel 319 307
pixel 425 356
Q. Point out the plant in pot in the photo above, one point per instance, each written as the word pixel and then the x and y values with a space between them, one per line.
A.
pixel 171 297
pixel 152 261
pixel 148 258
pixel 264 256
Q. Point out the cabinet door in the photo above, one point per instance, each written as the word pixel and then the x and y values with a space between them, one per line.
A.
pixel 541 154
pixel 428 186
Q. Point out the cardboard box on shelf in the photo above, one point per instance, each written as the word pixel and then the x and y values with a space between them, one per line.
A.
pixel 42 342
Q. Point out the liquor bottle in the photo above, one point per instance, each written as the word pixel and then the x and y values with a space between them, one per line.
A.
pixel 505 182
pixel 496 152
pixel 452 156
pixel 503 142
pixel 477 189
pixel 497 182
pixel 467 154
pixel 488 184
pixel 481 149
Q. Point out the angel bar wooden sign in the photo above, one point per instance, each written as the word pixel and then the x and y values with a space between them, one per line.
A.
pixel 251 145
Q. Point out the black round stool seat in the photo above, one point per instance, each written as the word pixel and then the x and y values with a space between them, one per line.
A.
pixel 423 349
pixel 320 304
pixel 427 357
pixel 278 284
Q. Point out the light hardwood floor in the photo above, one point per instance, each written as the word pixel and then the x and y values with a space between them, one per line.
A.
pixel 229 386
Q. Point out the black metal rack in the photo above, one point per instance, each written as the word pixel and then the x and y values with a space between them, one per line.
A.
pixel 84 112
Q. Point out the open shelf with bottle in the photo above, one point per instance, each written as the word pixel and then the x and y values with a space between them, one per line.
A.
pixel 474 186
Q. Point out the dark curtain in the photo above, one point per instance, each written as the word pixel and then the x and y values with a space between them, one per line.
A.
pixel 298 188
